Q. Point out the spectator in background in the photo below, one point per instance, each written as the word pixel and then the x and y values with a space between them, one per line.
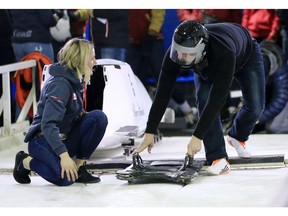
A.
pixel 6 51
pixel 221 15
pixel 67 27
pixel 6 54
pixel 210 15
pixel 146 49
pixel 283 17
pixel 274 117
pixel 31 31
pixel 146 52
pixel 189 14
pixel 263 24
pixel 109 31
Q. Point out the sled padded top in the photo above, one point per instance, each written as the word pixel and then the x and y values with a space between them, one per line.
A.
pixel 161 173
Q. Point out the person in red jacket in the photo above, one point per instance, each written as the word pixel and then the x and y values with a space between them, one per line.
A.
pixel 263 24
pixel 210 15
pixel 189 14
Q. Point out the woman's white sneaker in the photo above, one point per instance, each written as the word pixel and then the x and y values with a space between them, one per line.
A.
pixel 239 146
pixel 218 167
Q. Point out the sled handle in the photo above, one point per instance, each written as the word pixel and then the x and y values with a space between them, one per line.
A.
pixel 188 162
pixel 137 162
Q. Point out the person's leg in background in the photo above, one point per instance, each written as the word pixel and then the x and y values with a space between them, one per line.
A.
pixel 284 33
pixel 114 53
pixel 22 49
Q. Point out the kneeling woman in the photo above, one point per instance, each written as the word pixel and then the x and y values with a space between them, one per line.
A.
pixel 62 135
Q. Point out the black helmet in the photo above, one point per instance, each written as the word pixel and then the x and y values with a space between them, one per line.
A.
pixel 189 43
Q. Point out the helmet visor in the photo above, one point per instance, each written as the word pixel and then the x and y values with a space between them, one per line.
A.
pixel 184 56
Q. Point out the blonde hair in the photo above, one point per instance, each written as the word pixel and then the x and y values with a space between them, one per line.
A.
pixel 76 54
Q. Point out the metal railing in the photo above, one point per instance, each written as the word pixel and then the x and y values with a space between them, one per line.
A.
pixel 8 127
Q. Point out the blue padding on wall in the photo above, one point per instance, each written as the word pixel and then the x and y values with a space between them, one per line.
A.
pixel 170 23
pixel 179 79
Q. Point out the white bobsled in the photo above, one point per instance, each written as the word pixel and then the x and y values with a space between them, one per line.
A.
pixel 125 102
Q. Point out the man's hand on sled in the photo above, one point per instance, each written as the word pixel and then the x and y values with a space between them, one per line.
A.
pixel 147 142
pixel 194 146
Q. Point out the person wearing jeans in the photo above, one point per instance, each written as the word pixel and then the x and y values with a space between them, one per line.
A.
pixel 248 114
pixel 81 142
pixel 63 135
pixel 217 53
